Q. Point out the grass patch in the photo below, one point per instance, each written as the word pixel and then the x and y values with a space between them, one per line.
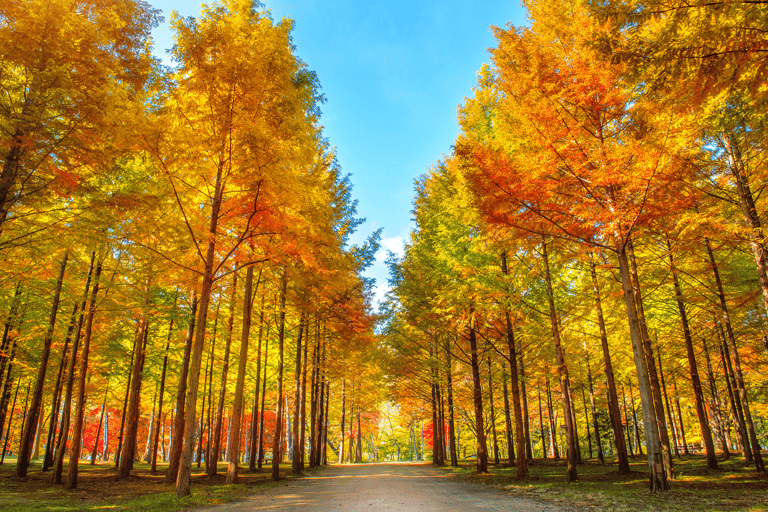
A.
pixel 99 489
pixel 735 487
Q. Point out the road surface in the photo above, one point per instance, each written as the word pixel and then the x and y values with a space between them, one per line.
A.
pixel 388 487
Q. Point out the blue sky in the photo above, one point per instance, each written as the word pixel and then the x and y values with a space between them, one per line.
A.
pixel 393 74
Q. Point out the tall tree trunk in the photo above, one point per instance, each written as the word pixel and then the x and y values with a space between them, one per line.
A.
pixel 477 398
pixel 738 415
pixel 562 370
pixel 150 431
pixel 8 337
pixel 586 420
pixel 657 476
pixel 507 416
pixel 666 403
pixel 680 415
pixel 98 429
pixel 630 438
pixel 124 411
pixel 638 443
pixel 496 458
pixel 58 462
pixel 698 394
pixel 50 444
pixel 321 404
pixel 718 417
pixel 158 419
pixel 451 419
pixel 132 421
pixel 185 464
pixel 524 398
pixel 74 450
pixel 732 351
pixel 552 420
pixel 658 403
pixel 216 451
pixel 260 456
pixel 278 437
pixel 751 220
pixel 593 409
pixel 297 457
pixel 255 414
pixel 613 397
pixel 174 457
pixel 359 444
pixel 326 410
pixel 520 422
pixel 343 418
pixel 7 438
pixel 233 443
pixel 25 446
pixel 303 403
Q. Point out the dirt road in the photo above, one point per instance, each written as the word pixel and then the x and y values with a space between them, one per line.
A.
pixel 388 487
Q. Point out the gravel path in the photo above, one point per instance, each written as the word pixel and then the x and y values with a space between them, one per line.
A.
pixel 389 487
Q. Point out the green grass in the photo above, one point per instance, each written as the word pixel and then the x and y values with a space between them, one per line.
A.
pixel 99 489
pixel 736 487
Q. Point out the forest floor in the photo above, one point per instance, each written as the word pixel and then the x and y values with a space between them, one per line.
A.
pixel 100 489
pixel 735 487
pixel 399 487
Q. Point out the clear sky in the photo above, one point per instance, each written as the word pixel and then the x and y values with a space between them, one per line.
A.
pixel 393 73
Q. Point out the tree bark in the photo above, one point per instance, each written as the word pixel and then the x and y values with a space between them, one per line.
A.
pixel 255 414
pixel 658 403
pixel 718 417
pixel 278 437
pixel 260 456
pixel 233 443
pixel 132 421
pixel 477 397
pixel 595 426
pixel 25 446
pixel 343 418
pixel 50 444
pixel 61 446
pixel 297 457
pixel 520 427
pixel 98 429
pixel 731 339
pixel 751 220
pixel 181 396
pixel 74 449
pixel 613 397
pixel 657 477
pixel 698 394
pixel 562 370
pixel 158 419
pixel 214 454
pixel 451 419
pixel 493 415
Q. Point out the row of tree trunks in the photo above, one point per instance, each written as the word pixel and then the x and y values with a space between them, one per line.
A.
pixel 657 475
pixel 613 398
pixel 158 419
pixel 698 393
pixel 74 451
pixel 477 397
pixel 562 369
pixel 181 397
pixel 233 443
pixel 58 461
pixel 25 446
pixel 215 451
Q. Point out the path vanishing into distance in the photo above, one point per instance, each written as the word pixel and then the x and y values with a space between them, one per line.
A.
pixel 386 486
